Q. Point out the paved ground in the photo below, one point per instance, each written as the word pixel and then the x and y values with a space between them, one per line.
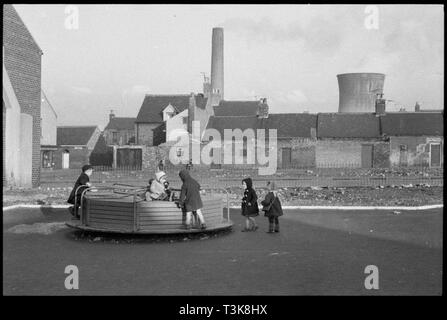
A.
pixel 316 253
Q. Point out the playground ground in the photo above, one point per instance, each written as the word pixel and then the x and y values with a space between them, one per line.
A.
pixel 317 252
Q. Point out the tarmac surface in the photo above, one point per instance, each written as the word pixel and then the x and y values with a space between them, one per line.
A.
pixel 317 252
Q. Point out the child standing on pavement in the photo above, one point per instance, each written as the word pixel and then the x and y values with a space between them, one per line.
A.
pixel 249 206
pixel 272 207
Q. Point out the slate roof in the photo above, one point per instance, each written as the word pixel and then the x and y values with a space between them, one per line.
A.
pixel 413 124
pixel 236 108
pixel 121 123
pixel 288 125
pixel 151 110
pixel 348 125
pixel 243 123
pixel 78 136
pixel 291 124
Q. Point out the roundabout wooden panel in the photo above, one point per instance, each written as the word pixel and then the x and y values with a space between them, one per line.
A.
pixel 128 213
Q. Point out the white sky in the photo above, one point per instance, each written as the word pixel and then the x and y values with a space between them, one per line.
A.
pixel 290 54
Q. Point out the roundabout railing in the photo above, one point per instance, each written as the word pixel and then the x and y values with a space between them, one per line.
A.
pixel 137 192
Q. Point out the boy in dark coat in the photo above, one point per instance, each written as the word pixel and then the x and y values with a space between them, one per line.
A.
pixel 83 180
pixel 272 207
pixel 190 198
pixel 249 206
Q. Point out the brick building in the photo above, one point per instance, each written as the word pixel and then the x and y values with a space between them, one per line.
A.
pixel 415 138
pixel 48 138
pixel 350 139
pixel 75 144
pixel 156 109
pixel 295 132
pixel 22 58
pixel 119 130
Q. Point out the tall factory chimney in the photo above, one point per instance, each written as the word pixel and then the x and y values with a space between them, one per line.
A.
pixel 358 91
pixel 217 66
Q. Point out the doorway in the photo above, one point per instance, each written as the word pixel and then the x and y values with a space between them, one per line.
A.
pixel 435 154
pixel 367 156
pixel 403 155
pixel 286 157
pixel 66 159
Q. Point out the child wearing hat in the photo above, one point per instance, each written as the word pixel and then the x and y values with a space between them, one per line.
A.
pixel 83 180
pixel 249 206
pixel 272 207
pixel 159 187
pixel 190 199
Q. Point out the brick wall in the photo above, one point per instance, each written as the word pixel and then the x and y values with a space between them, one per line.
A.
pixel 381 155
pixel 152 156
pixel 303 151
pixel 22 58
pixel 123 136
pixel 418 149
pixel 339 153
pixel 4 143
pixel 145 134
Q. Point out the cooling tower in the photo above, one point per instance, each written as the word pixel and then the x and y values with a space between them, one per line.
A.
pixel 358 91
pixel 217 63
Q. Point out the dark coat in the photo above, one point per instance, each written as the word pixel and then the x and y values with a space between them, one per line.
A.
pixel 81 181
pixel 276 209
pixel 249 206
pixel 190 194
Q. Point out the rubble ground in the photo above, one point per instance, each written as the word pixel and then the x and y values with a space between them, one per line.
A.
pixel 409 195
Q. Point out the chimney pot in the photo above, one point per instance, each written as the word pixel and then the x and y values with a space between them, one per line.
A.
pixel 417 107
pixel 380 106
pixel 263 108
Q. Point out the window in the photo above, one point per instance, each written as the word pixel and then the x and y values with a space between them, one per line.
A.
pixel 47 159
pixel 179 152
pixel 114 137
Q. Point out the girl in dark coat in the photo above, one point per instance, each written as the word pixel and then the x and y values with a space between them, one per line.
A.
pixel 272 207
pixel 249 207
pixel 83 180
pixel 190 198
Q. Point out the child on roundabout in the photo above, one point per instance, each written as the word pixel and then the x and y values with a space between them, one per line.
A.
pixel 190 199
pixel 75 197
pixel 249 206
pixel 158 188
pixel 272 207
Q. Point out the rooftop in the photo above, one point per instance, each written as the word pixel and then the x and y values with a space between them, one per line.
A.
pixel 151 110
